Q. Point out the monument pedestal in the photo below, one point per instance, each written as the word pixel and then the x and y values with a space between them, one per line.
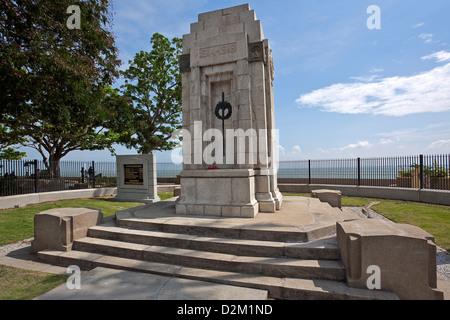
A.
pixel 223 192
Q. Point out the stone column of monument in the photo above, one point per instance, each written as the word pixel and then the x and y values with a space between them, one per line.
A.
pixel 227 76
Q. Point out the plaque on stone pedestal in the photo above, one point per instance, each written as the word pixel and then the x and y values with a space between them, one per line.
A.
pixel 136 178
pixel 228 117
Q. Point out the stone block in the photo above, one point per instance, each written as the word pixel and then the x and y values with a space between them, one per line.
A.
pixel 213 211
pixel 211 15
pixel 188 189
pixel 229 211
pixel 405 256
pixel 332 197
pixel 254 31
pixel 57 228
pixel 247 16
pixel 197 27
pixel 213 191
pixel 236 9
pixel 177 191
pixel 180 209
pixel 249 211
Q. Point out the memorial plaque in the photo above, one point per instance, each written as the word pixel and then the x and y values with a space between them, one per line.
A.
pixel 134 174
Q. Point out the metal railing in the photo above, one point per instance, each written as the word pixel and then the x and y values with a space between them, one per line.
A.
pixel 32 176
pixel 422 172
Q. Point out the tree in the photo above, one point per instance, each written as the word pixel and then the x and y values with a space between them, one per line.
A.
pixel 153 85
pixel 55 80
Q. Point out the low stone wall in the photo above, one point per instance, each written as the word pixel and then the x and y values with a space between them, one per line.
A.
pixel 32 198
pixel 408 194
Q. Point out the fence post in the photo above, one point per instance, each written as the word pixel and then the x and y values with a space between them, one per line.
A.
pixel 93 174
pixel 421 171
pixel 309 171
pixel 36 176
pixel 359 172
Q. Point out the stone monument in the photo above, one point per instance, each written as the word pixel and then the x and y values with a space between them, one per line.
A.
pixel 136 178
pixel 229 149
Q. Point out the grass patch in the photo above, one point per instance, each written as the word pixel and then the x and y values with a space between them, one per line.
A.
pixel 165 195
pixel 18 224
pixel 20 284
pixel 434 219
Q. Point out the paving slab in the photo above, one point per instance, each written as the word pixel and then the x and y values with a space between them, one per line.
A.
pixel 111 284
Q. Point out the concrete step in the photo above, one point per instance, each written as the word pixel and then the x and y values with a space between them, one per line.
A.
pixel 211 230
pixel 320 249
pixel 270 266
pixel 278 287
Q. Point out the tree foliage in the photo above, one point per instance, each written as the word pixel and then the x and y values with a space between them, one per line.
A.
pixel 55 80
pixel 153 87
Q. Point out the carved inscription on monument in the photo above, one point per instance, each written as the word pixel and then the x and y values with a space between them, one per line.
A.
pixel 220 50
pixel 134 174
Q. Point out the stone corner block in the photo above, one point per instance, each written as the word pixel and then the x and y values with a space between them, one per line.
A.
pixel 405 256
pixel 57 228
pixel 332 197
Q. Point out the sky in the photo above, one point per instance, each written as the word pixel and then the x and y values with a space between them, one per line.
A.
pixel 349 82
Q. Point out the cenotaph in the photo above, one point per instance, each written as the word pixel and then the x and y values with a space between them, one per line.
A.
pixel 229 141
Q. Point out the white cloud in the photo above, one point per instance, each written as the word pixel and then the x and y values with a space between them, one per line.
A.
pixel 420 24
pixel 361 144
pixel 394 96
pixel 427 37
pixel 440 144
pixel 440 56
pixel 386 141
pixel 289 154
pixel 365 78
pixel 376 70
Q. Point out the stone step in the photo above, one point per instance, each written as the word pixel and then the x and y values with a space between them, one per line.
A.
pixel 320 249
pixel 270 266
pixel 268 234
pixel 278 287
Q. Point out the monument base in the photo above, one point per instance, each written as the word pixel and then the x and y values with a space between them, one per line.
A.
pixel 224 192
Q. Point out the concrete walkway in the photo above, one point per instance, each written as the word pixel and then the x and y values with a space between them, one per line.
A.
pixel 111 284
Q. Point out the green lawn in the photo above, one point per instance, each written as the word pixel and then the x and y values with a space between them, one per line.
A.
pixel 20 284
pixel 435 219
pixel 17 224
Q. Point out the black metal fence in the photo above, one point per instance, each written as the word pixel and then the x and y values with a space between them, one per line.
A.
pixel 422 171
pixel 32 176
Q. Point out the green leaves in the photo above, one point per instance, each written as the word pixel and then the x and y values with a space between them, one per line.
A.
pixel 153 87
pixel 53 78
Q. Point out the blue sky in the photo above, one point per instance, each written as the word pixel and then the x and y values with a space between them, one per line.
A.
pixel 341 89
